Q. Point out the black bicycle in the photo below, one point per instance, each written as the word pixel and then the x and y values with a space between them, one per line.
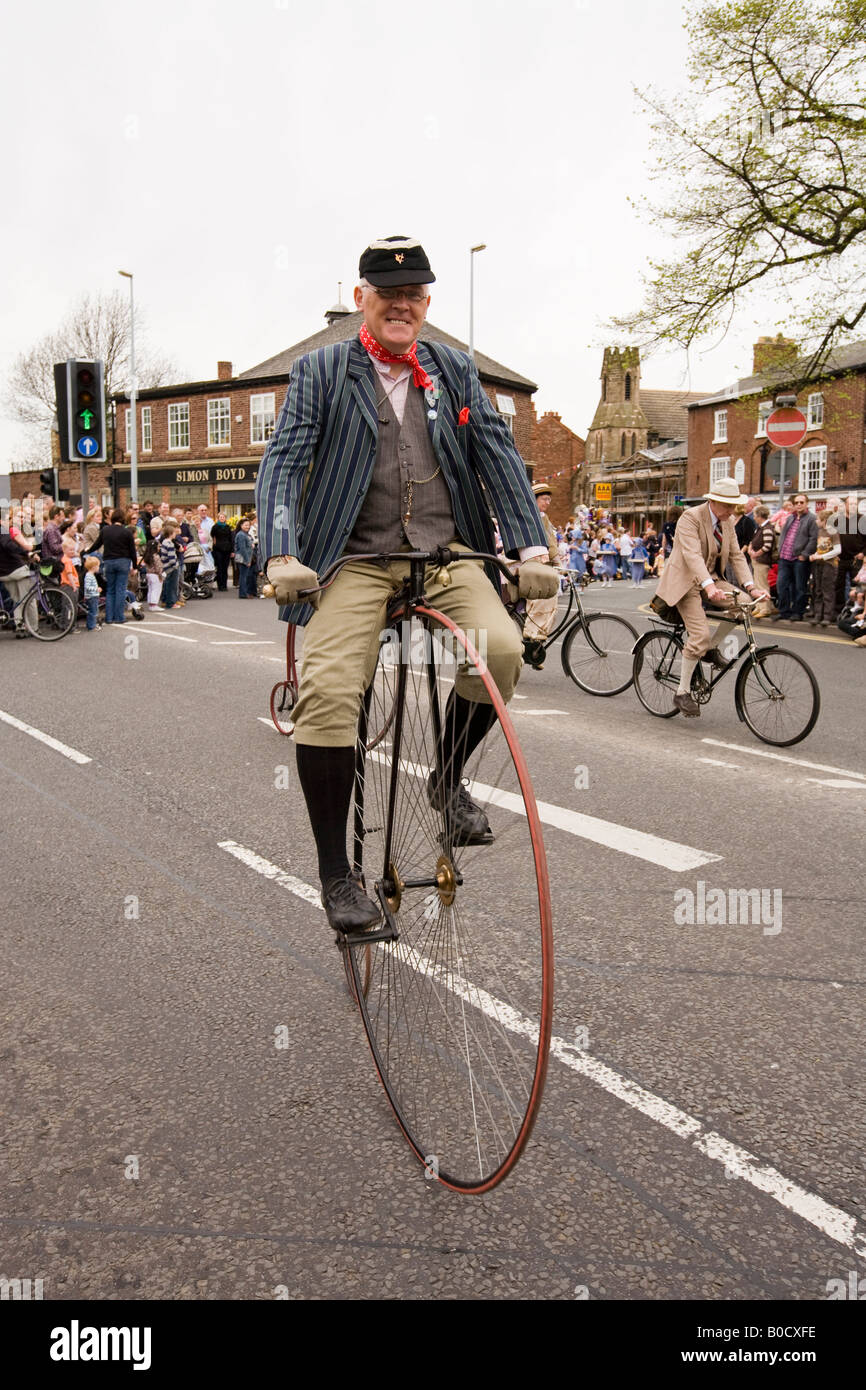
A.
pixel 776 693
pixel 597 647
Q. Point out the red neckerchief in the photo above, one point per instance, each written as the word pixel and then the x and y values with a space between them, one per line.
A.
pixel 375 349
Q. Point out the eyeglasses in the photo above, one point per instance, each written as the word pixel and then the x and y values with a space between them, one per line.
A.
pixel 414 296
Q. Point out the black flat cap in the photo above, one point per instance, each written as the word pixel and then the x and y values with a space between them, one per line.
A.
pixel 395 260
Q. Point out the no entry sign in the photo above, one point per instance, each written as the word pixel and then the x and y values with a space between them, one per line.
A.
pixel 786 428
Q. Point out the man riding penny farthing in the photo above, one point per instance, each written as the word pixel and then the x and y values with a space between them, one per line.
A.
pixel 382 446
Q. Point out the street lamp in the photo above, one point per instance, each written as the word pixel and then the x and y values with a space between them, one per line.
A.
pixel 481 247
pixel 133 391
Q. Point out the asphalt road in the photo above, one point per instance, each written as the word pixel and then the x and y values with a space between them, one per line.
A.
pixel 706 1142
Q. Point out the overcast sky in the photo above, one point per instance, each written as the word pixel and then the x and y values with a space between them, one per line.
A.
pixel 238 157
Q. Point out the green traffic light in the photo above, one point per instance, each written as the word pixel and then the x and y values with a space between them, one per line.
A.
pixel 86 416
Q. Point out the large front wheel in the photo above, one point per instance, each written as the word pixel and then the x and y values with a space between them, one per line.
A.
pixel 777 695
pixel 597 654
pixel 458 1008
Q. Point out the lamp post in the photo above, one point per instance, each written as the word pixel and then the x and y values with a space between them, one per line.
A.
pixel 472 250
pixel 133 391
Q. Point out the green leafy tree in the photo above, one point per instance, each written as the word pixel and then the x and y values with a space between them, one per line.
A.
pixel 763 161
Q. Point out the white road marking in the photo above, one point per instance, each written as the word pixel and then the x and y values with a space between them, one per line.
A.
pixel 539 711
pixel 267 643
pixel 71 753
pixel 668 854
pixel 838 1225
pixel 836 782
pixel 784 758
pixel 175 636
pixel 717 762
pixel 277 875
pixel 199 622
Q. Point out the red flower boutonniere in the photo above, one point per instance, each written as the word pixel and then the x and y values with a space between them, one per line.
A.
pixel 463 417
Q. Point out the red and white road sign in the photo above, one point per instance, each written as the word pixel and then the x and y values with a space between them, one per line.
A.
pixel 786 428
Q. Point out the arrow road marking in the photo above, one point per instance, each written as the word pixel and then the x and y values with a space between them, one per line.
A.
pixel 838 1225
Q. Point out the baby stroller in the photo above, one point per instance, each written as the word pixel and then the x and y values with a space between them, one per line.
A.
pixel 199 574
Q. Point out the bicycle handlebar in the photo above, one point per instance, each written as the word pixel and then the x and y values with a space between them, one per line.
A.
pixel 443 556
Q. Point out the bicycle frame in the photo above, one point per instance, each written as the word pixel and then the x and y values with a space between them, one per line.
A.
pixel 740 614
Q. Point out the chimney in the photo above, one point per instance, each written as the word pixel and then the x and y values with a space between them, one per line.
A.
pixel 773 352
pixel 224 371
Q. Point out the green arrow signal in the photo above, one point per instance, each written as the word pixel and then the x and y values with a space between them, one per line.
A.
pixel 85 416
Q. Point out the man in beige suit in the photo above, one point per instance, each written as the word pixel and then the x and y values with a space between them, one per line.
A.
pixel 705 544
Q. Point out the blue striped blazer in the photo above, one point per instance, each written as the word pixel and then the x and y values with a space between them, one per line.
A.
pixel 317 467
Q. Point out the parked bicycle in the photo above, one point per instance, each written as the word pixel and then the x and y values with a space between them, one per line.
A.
pixel 44 610
pixel 455 989
pixel 597 647
pixel 776 694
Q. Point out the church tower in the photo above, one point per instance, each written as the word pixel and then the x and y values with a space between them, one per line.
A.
pixel 619 426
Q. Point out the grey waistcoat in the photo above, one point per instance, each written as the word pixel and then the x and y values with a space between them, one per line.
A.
pixel 403 452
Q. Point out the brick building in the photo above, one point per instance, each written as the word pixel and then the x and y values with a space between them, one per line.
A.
pixel 202 441
pixel 557 456
pixel 636 444
pixel 728 436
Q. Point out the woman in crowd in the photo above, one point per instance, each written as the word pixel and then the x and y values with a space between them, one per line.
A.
pixel 119 556
pixel 244 554
pixel 222 539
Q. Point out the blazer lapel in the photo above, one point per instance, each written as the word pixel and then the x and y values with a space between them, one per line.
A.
pixel 443 401
pixel 360 371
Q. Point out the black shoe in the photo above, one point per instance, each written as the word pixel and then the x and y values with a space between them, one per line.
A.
pixel 715 658
pixel 687 704
pixel 534 652
pixel 795 618
pixel 466 822
pixel 347 907
pixel 778 617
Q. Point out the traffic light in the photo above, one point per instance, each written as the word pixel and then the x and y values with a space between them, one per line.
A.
pixel 80 390
pixel 46 482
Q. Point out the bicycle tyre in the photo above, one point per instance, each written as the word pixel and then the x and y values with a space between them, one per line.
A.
pixel 784 723
pixel 609 671
pixel 657 660
pixel 457 1010
pixel 282 703
pixel 49 614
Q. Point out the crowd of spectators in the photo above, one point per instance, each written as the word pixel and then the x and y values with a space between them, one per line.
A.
pixel 127 555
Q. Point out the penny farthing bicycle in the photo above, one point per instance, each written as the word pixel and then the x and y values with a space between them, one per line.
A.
pixel 455 988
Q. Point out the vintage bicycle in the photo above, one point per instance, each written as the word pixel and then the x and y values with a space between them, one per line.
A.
pixel 775 694
pixel 455 988
pixel 597 647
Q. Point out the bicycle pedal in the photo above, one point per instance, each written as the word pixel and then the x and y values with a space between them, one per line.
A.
pixel 364 938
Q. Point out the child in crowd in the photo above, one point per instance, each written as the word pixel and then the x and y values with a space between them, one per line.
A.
pixel 91 593
pixel 170 564
pixel 608 552
pixel 639 557
pixel 824 564
pixel 153 570
pixel 69 578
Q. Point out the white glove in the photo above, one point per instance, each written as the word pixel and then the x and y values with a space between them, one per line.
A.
pixel 289 577
pixel 537 580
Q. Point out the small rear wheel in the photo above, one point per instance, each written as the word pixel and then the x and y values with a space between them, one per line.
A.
pixel 657 662
pixel 777 695
pixel 597 654
pixel 283 699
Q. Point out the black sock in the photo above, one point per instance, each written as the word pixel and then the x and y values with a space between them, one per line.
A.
pixel 326 776
pixel 465 724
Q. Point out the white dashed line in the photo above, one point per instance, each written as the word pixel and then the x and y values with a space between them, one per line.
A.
pixel 667 854
pixel 268 643
pixel 175 637
pixel 838 1225
pixel 784 758
pixel 71 753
